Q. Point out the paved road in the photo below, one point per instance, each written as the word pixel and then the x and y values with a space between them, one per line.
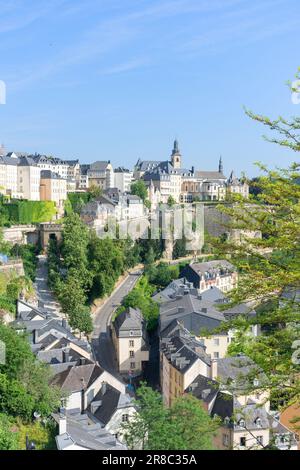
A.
pixel 101 340
pixel 43 292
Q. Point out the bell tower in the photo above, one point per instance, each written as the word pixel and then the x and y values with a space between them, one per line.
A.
pixel 176 156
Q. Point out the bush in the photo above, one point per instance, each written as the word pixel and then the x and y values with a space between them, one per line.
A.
pixel 30 212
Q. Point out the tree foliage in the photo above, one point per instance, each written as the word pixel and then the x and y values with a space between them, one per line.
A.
pixel 185 425
pixel 24 381
pixel 269 267
pixel 139 189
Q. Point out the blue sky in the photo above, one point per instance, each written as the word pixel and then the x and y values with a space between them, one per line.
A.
pixel 120 79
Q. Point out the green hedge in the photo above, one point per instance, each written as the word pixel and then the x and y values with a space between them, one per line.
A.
pixel 31 212
pixel 78 200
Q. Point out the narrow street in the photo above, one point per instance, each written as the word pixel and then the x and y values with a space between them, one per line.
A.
pixel 43 293
pixel 101 339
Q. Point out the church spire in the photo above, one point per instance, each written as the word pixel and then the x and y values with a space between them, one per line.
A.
pixel 220 165
pixel 175 148
pixel 176 156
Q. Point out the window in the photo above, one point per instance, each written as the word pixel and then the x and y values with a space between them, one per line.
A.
pixel 241 423
pixel 258 422
pixel 132 365
pixel 216 355
pixel 225 440
pixel 260 440
pixel 216 341
pixel 242 442
pixel 131 353
pixel 131 343
pixel 131 333
pixel 124 418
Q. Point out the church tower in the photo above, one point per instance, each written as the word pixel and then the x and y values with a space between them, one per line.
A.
pixel 220 165
pixel 176 156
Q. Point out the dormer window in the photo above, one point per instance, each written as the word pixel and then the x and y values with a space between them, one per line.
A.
pixel 242 423
pixel 227 420
pixel 258 422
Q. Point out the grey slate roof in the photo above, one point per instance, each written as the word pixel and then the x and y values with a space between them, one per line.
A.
pixel 214 294
pixel 48 174
pixel 203 388
pixel 178 286
pixel 26 161
pixel 83 432
pixel 99 166
pixel 182 349
pixel 8 160
pixel 146 165
pixel 193 312
pixel 240 309
pixel 107 401
pixel 77 378
pixel 223 407
pixel 108 404
pixel 129 320
pixel 209 175
pixel 212 267
pixel 236 373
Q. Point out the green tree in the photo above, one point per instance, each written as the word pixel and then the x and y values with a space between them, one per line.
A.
pixel 171 201
pixel 81 320
pixel 75 239
pixel 179 250
pixel 24 381
pixel 106 262
pixel 139 188
pixel 162 274
pixel 185 425
pixel 9 438
pixel 95 191
pixel 269 267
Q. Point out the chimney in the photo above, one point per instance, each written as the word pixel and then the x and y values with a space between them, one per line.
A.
pixel 214 369
pixel 62 421
pixel 35 336
pixel 180 309
pixel 82 361
pixel 103 388
pixel 66 355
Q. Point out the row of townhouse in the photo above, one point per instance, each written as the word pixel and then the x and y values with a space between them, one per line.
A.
pixel 168 178
pixel 163 178
pixel 95 402
pixel 193 359
pixel 21 177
